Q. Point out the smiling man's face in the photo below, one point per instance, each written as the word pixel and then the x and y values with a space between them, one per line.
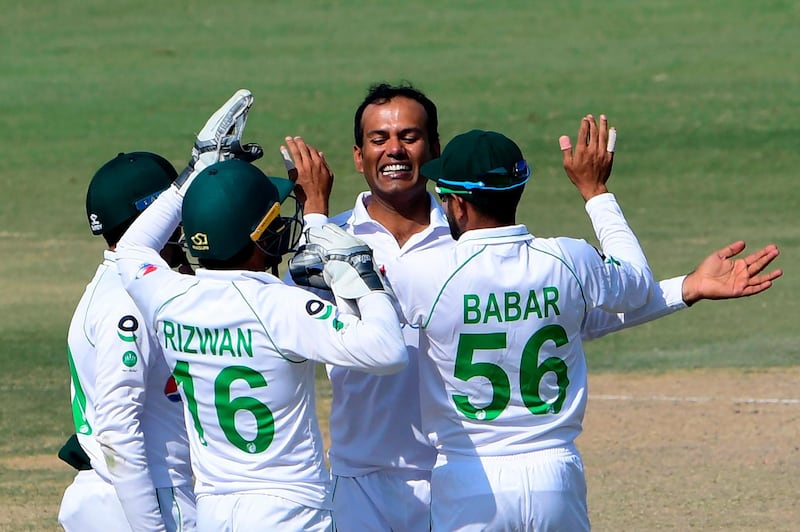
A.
pixel 395 146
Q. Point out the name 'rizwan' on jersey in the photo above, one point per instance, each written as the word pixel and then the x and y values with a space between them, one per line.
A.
pixel 196 340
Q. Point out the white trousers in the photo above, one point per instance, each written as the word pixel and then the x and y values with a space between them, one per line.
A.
pixel 541 491
pixel 90 504
pixel 250 512
pixel 384 500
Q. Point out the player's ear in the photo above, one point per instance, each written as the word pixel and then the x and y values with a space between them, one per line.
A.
pixel 458 205
pixel 358 159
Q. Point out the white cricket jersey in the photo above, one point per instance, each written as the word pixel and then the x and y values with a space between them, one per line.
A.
pixel 124 396
pixel 369 431
pixel 375 420
pixel 505 371
pixel 242 346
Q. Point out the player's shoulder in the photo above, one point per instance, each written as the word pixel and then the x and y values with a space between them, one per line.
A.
pixel 107 306
pixel 570 251
pixel 284 307
pixel 107 292
pixel 342 219
pixel 560 243
pixel 285 294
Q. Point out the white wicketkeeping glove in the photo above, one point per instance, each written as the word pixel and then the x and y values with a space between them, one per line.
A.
pixel 348 266
pixel 220 139
pixel 306 267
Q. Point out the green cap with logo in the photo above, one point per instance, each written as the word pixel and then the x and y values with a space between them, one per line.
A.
pixel 124 187
pixel 228 205
pixel 478 160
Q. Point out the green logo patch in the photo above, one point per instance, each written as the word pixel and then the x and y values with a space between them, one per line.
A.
pixel 130 359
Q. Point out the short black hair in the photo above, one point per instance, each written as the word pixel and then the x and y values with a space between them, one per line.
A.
pixel 499 205
pixel 383 92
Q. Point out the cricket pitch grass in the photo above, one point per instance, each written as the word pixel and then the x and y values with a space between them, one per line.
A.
pixel 710 449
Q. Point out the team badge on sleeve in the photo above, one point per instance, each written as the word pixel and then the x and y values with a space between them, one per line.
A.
pixel 145 269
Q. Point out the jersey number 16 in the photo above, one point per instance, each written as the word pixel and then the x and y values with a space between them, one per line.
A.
pixel 226 408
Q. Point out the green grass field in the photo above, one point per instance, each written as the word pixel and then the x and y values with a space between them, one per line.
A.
pixel 704 95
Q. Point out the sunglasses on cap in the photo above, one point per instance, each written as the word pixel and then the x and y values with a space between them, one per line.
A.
pixel 520 170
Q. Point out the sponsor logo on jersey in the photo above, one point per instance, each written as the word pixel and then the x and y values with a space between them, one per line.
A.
pixel 171 390
pixel 144 269
pixel 319 309
pixel 322 311
pixel 129 358
pixel 127 327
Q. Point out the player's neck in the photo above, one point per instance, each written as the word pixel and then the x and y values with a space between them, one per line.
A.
pixel 402 219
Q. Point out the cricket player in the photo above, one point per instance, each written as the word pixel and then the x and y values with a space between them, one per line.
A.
pixel 503 377
pixel 381 464
pixel 242 345
pixel 125 407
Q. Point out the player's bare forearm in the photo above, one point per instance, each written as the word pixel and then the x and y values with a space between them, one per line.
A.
pixel 721 276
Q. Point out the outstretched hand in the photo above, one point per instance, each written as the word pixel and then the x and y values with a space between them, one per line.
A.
pixel 589 166
pixel 721 276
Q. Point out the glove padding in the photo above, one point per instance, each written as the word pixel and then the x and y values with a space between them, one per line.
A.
pixel 347 264
pixel 306 267
pixel 220 139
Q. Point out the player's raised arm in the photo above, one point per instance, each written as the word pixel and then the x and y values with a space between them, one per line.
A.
pixel 218 140
pixel 588 167
pixel 311 174
pixel 344 263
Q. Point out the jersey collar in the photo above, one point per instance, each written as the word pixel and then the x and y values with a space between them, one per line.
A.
pixel 110 257
pixel 236 275
pixel 507 233
pixel 361 221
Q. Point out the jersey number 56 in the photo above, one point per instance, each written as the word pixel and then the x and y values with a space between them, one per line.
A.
pixel 530 375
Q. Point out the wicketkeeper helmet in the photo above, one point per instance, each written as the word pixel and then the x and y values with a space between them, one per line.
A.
pixel 124 186
pixel 232 203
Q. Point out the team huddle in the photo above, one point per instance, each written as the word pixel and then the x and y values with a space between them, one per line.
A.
pixel 451 335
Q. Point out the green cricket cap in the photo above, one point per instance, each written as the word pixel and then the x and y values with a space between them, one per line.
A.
pixel 478 160
pixel 226 203
pixel 124 186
